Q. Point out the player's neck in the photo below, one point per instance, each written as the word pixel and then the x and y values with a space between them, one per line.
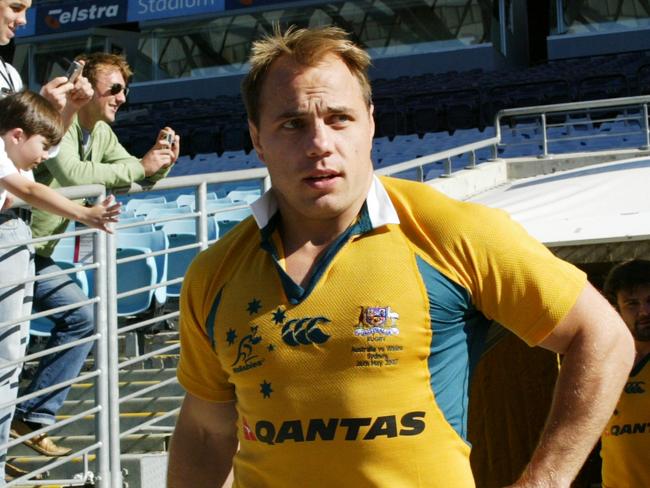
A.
pixel 305 241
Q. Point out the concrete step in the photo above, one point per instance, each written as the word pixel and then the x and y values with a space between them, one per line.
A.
pixel 86 425
pixel 146 404
pixel 86 391
pixel 138 470
pixel 135 443
pixel 71 470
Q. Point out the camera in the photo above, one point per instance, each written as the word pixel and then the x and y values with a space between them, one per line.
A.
pixel 74 71
pixel 169 137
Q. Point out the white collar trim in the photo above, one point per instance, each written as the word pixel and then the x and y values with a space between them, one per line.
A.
pixel 380 209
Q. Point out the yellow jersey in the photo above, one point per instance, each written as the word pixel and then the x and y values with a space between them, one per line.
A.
pixel 361 377
pixel 625 447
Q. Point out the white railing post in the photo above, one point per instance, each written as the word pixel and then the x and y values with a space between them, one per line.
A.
pixel 544 137
pixel 201 206
pixel 113 361
pixel 646 127
pixel 102 348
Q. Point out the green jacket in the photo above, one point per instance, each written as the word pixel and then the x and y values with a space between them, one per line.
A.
pixel 106 162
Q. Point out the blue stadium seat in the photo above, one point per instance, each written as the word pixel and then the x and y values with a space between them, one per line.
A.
pixel 134 203
pixel 145 208
pixel 155 241
pixel 247 195
pixel 226 220
pixel 157 213
pixel 133 275
pixel 139 228
pixel 181 233
pixel 189 200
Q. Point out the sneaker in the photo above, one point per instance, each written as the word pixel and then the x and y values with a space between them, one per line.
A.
pixel 41 443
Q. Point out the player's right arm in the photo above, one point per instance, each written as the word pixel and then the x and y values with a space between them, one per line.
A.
pixel 203 444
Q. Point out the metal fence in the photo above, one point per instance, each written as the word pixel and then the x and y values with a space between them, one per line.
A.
pixel 100 458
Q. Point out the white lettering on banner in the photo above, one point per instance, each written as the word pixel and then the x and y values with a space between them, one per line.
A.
pixel 150 6
pixel 82 14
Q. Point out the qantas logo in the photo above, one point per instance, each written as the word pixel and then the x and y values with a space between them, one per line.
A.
pixel 640 428
pixel 350 429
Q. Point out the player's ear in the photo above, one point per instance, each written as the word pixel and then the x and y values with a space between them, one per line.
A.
pixel 255 139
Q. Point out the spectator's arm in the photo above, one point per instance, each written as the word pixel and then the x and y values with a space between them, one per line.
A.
pixel 203 444
pixel 117 168
pixel 45 198
pixel 598 355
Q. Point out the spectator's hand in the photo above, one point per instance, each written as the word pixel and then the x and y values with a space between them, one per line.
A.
pixel 163 143
pixel 158 157
pixel 101 215
pixel 9 201
pixel 56 91
pixel 80 94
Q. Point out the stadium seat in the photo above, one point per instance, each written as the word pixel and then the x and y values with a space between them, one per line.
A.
pixel 133 275
pixel 155 241
pixel 157 213
pixel 138 228
pixel 189 200
pixel 145 208
pixel 227 219
pixel 134 203
pixel 248 195
pixel 181 233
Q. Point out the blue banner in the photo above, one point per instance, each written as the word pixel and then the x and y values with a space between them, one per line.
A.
pixel 162 9
pixel 234 4
pixel 30 28
pixel 79 15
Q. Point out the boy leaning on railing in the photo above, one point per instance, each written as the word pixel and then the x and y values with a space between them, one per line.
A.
pixel 29 126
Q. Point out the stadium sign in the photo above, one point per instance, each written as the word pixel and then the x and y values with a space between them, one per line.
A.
pixel 235 4
pixel 80 15
pixel 162 9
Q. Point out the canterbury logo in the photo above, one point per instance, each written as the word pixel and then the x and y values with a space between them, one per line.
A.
pixel 635 387
pixel 304 331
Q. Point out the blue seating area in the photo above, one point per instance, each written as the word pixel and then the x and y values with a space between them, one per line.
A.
pixel 136 237
pixel 214 129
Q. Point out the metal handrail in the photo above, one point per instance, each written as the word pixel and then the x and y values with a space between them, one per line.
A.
pixel 540 110
pixel 439 156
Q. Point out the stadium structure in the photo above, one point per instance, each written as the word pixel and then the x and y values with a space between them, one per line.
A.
pixel 539 107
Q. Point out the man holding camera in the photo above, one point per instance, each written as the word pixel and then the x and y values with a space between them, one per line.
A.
pixel 89 154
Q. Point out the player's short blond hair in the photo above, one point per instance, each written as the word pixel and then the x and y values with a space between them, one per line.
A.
pixel 307 47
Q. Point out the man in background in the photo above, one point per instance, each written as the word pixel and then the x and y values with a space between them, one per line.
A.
pixel 625 446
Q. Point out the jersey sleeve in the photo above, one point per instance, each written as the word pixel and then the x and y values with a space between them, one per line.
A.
pixel 518 281
pixel 200 371
pixel 511 277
